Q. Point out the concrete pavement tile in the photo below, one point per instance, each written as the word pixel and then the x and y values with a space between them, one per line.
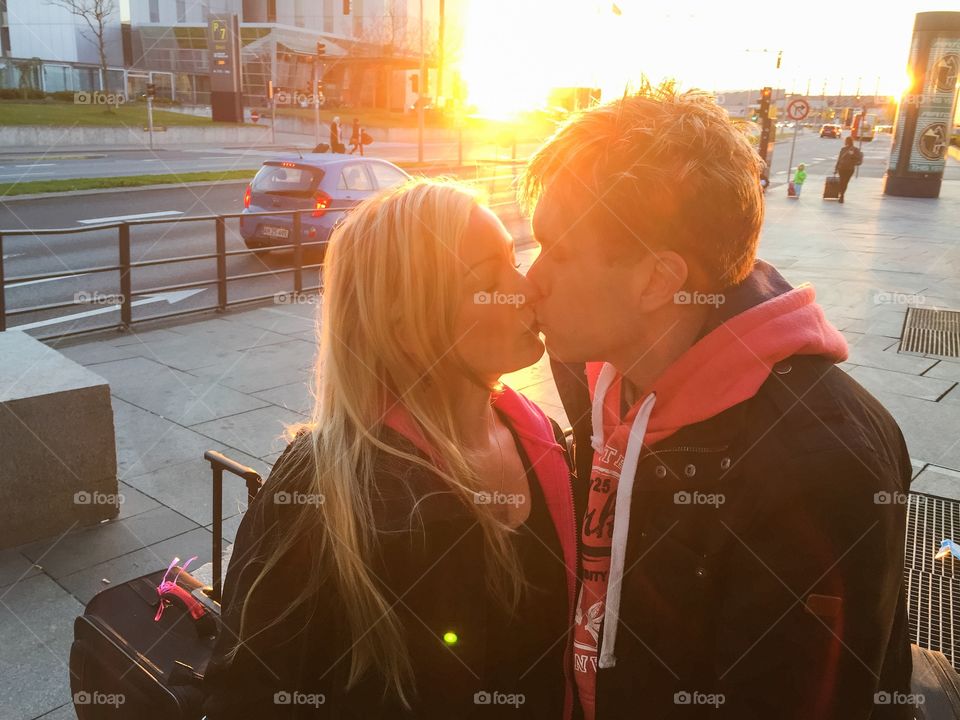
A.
pixel 264 367
pixel 187 487
pixel 230 527
pixel 257 432
pixel 945 369
pixel 14 566
pixel 925 388
pixel 953 396
pixel 940 481
pixel 37 610
pixel 91 352
pixel 137 336
pixel 90 546
pixel 868 342
pixel 172 394
pixel 218 332
pixel 147 442
pixel 873 357
pixel 294 396
pixel 286 320
pixel 930 428
pixel 917 466
pixel 134 502
pixel 86 583
pixel 33 681
pixel 64 712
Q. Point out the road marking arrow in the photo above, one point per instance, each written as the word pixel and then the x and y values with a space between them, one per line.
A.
pixel 170 297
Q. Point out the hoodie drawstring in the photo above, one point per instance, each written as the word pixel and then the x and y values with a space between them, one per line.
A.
pixel 621 513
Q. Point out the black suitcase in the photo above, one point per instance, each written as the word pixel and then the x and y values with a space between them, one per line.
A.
pixel 831 188
pixel 140 649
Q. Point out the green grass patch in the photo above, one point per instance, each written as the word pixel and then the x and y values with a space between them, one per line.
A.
pixel 72 184
pixel 61 114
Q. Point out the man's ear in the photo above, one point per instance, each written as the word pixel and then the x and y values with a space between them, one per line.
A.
pixel 667 274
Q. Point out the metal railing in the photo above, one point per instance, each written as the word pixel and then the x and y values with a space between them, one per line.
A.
pixel 125 266
pixel 492 183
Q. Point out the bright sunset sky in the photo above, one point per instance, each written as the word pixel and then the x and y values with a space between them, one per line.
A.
pixel 514 50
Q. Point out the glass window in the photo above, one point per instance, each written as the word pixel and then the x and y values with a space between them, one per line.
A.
pixel 284 180
pixel 154 11
pixel 354 177
pixel 387 176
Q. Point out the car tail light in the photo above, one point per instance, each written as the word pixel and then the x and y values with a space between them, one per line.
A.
pixel 246 197
pixel 321 204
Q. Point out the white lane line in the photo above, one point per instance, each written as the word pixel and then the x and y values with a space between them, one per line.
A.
pixel 140 216
pixel 37 165
pixel 37 282
pixel 154 160
pixel 26 175
pixel 12 255
pixel 224 157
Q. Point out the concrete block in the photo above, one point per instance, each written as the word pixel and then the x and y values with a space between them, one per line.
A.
pixel 57 451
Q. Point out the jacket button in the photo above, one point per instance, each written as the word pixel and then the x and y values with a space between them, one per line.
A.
pixel 690 470
pixel 661 471
pixel 725 463
pixel 782 368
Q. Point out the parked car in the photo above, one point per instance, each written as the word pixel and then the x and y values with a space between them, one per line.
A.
pixel 830 131
pixel 327 184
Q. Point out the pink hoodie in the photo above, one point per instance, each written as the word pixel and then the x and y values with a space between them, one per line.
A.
pixel 535 432
pixel 723 369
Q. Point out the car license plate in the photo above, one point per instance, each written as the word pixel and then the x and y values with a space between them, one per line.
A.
pixel 275 232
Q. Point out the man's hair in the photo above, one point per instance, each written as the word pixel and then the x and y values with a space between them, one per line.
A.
pixel 659 170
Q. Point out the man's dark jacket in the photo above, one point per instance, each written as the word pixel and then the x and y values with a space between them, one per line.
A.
pixel 784 597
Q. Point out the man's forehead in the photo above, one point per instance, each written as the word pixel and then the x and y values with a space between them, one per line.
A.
pixel 558 212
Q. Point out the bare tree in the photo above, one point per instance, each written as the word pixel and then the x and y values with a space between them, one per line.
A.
pixel 96 14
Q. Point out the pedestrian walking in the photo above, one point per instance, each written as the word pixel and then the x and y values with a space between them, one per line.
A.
pixel 356 137
pixel 847 161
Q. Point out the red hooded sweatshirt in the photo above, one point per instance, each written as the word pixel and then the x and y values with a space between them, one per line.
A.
pixel 724 368
pixel 535 432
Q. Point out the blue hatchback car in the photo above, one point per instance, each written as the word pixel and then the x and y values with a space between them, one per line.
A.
pixel 326 184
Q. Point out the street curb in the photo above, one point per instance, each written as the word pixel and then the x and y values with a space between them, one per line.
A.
pixel 102 191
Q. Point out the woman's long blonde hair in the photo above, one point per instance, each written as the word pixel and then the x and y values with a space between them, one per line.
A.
pixel 392 286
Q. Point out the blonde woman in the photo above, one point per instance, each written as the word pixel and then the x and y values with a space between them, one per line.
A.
pixel 413 552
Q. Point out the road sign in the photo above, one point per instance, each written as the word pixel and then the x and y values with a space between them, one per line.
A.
pixel 798 109
pixel 254 116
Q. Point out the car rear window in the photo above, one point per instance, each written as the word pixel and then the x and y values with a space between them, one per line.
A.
pixel 282 180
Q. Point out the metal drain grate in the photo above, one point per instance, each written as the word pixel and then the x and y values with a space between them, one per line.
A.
pixel 933 586
pixel 933 608
pixel 931 520
pixel 931 331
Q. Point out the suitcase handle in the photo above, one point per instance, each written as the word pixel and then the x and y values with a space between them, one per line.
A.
pixel 218 463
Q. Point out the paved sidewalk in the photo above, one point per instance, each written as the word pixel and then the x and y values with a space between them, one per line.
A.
pixel 232 382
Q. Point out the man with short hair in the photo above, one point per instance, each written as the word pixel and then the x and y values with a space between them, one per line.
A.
pixel 743 520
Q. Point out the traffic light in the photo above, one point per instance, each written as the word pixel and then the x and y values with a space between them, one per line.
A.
pixel 269 89
pixel 321 49
pixel 415 83
pixel 346 7
pixel 765 94
pixel 754 114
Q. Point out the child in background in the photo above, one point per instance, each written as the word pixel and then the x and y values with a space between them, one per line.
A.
pixel 798 178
